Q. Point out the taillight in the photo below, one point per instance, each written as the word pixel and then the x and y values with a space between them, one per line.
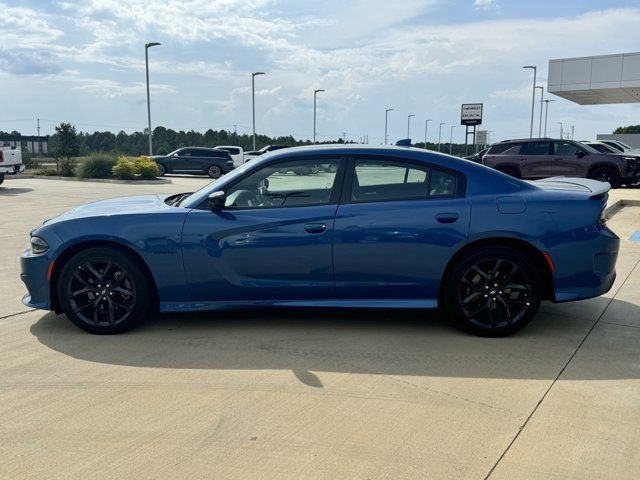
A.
pixel 602 221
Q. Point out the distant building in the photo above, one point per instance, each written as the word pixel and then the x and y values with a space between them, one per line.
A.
pixel 32 144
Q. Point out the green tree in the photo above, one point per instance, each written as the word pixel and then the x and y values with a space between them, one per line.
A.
pixel 629 129
pixel 65 148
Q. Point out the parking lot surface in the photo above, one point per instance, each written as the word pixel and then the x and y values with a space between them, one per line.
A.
pixel 310 393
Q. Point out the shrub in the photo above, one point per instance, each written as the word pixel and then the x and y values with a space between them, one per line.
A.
pixel 98 165
pixel 67 167
pixel 146 168
pixel 124 169
pixel 48 172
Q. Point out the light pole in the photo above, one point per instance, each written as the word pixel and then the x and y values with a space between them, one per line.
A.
pixel 533 99
pixel 386 122
pixel 560 130
pixel 451 137
pixel 147 46
pixel 409 124
pixel 315 94
pixel 253 103
pixel 426 126
pixel 440 134
pixel 546 114
pixel 541 100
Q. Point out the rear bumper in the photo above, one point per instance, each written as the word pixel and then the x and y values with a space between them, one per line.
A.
pixel 11 169
pixel 587 268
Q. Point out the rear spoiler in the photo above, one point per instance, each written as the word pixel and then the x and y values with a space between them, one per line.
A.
pixel 597 189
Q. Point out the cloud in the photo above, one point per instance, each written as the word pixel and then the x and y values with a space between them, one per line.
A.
pixel 486 4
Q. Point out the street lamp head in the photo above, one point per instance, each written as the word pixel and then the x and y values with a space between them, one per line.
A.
pixel 389 110
pixel 319 90
pixel 443 123
pixel 411 115
pixel 530 66
pixel 258 73
pixel 151 44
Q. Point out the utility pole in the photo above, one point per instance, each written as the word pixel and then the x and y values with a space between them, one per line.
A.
pixel 451 138
pixel 253 103
pixel 546 114
pixel 386 122
pixel 541 100
pixel 426 126
pixel 533 99
pixel 235 134
pixel 344 137
pixel 147 46
pixel 39 142
pixel 572 130
pixel 561 131
pixel 409 125
pixel 315 94
pixel 440 134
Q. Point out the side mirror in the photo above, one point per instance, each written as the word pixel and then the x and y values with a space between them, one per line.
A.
pixel 216 200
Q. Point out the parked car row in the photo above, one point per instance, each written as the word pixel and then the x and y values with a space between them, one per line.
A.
pixel 214 162
pixel 532 159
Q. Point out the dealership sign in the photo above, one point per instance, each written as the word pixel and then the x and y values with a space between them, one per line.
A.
pixel 471 114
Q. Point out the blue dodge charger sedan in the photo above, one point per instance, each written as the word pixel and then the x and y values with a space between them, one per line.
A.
pixel 373 227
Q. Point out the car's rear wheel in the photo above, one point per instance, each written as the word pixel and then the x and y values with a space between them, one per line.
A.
pixel 103 291
pixel 606 174
pixel 161 170
pixel 511 171
pixel 493 291
pixel 214 171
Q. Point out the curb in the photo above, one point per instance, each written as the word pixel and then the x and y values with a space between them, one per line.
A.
pixel 619 205
pixel 159 181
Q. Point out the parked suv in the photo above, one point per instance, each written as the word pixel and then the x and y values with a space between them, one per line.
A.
pixel 207 161
pixel 546 157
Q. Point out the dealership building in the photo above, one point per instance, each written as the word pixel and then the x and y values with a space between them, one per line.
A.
pixel 32 144
pixel 599 80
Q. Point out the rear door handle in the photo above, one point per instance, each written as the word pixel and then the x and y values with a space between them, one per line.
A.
pixel 315 227
pixel 447 217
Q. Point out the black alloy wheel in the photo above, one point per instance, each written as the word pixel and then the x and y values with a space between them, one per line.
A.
pixel 214 171
pixel 103 290
pixel 606 174
pixel 494 291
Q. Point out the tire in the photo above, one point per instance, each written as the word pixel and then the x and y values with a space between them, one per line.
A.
pixel 493 291
pixel 606 174
pixel 115 294
pixel 214 171
pixel 1 178
pixel 161 170
pixel 511 171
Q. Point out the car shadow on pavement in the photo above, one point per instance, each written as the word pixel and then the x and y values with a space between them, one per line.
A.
pixel 397 342
pixel 14 191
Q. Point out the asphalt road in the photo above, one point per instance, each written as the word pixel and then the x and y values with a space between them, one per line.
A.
pixel 313 394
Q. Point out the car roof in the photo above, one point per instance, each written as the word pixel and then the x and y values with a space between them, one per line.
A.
pixel 541 139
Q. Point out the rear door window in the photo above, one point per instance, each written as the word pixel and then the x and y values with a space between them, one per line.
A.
pixel 380 180
pixel 536 148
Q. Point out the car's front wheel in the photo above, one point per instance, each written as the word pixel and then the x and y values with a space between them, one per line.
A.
pixel 493 291
pixel 103 291
pixel 214 171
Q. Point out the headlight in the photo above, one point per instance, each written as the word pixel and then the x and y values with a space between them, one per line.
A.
pixel 38 245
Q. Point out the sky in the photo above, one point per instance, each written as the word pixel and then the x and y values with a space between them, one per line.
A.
pixel 83 62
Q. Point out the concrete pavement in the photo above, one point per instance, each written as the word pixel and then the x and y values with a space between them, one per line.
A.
pixel 314 394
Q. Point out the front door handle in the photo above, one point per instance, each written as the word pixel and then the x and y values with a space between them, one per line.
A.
pixel 315 227
pixel 447 217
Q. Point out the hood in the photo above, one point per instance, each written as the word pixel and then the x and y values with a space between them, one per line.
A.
pixel 593 188
pixel 116 206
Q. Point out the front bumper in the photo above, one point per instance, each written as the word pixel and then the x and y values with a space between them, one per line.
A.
pixel 33 273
